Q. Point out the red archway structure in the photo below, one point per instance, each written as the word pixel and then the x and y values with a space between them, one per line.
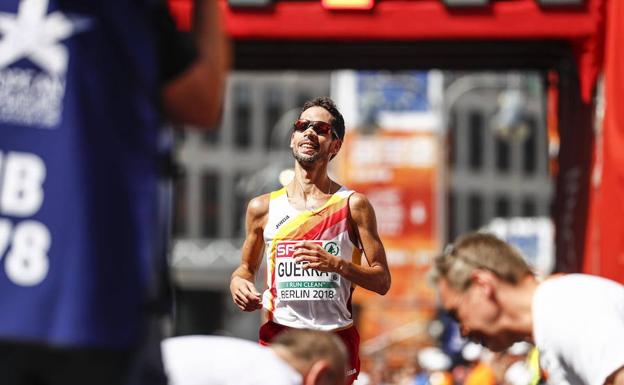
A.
pixel 511 34
pixel 604 253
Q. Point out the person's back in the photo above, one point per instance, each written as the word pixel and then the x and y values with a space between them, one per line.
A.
pixel 81 233
pixel 565 309
pixel 213 360
pixel 79 133
pixel 297 356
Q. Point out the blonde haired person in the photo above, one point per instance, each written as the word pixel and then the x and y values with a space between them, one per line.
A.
pixel 576 321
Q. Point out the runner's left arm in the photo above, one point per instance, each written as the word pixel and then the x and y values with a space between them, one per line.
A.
pixel 375 276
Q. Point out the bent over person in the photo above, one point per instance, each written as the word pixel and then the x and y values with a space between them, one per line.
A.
pixel 314 233
pixel 296 357
pixel 576 321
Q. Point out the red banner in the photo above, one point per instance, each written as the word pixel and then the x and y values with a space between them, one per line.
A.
pixel 398 172
pixel 605 242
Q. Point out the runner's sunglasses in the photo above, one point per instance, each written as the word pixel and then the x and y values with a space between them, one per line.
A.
pixel 320 127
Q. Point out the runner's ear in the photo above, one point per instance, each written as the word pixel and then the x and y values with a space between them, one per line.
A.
pixel 318 374
pixel 485 280
pixel 336 145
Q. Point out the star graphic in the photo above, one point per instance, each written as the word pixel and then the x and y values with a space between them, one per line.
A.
pixel 33 34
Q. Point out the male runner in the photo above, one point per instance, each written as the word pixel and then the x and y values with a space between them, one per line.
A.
pixel 576 321
pixel 314 232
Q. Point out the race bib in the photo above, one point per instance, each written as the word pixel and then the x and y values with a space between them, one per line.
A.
pixel 294 283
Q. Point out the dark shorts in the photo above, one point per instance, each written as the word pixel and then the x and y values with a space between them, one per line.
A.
pixel 350 337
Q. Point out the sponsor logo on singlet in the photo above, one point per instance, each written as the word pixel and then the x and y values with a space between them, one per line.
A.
pixel 296 283
pixel 282 221
pixel 332 248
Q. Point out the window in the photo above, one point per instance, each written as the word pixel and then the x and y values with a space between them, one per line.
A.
pixel 475 136
pixel 211 207
pixel 502 207
pixel 273 112
pixel 529 158
pixel 242 115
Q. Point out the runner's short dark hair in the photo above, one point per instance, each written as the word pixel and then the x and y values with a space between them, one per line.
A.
pixel 327 103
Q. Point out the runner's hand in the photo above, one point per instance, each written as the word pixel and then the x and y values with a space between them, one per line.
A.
pixel 245 294
pixel 314 256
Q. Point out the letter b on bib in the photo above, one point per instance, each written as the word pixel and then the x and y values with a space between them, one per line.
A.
pixel 21 189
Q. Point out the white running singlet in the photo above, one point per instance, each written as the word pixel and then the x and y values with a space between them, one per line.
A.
pixel 308 298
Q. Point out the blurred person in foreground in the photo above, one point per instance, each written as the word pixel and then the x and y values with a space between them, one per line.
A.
pixel 296 357
pixel 314 232
pixel 85 89
pixel 576 321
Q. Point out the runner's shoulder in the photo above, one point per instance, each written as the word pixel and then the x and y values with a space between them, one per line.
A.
pixel 258 207
pixel 359 201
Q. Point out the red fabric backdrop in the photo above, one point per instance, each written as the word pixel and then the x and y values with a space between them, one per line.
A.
pixel 604 253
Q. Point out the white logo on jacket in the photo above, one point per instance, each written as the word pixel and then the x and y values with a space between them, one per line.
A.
pixel 27 96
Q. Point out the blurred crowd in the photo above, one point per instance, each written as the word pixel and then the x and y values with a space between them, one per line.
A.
pixel 475 365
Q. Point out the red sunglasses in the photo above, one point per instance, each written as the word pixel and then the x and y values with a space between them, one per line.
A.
pixel 320 127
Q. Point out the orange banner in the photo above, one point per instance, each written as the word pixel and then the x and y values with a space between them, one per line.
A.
pixel 398 173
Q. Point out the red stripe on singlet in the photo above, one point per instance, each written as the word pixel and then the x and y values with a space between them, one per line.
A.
pixel 331 220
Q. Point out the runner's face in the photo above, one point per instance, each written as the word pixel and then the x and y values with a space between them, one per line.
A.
pixel 308 146
pixel 477 313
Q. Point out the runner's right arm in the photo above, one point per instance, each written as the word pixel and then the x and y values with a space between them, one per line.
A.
pixel 244 292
